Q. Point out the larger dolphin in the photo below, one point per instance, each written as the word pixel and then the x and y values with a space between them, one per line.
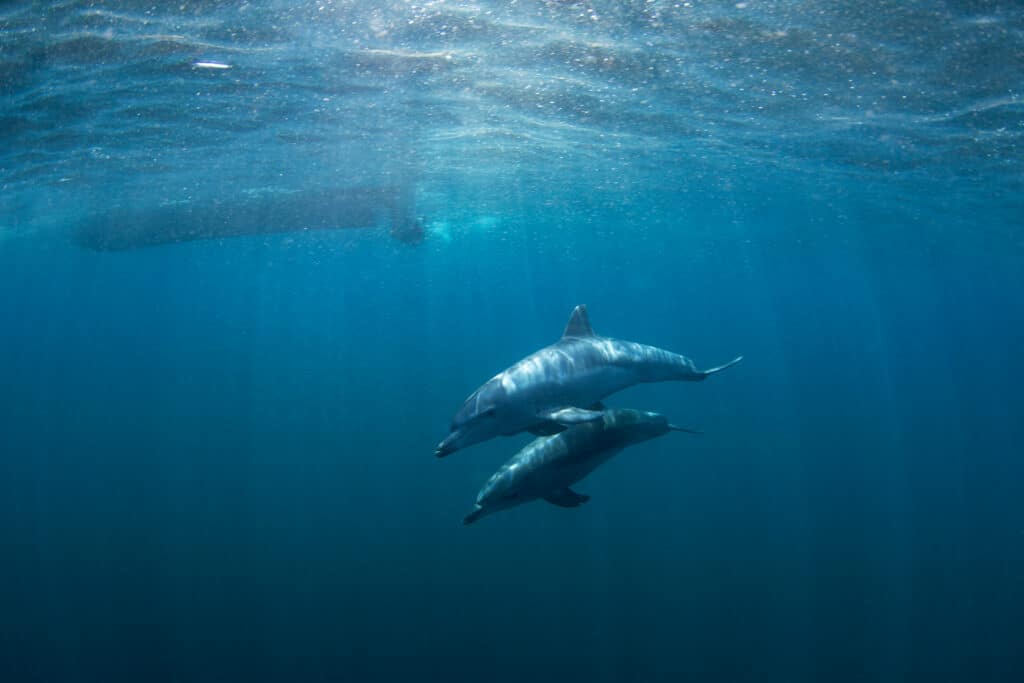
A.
pixel 549 466
pixel 558 385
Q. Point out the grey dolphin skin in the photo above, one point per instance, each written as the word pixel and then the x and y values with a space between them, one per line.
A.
pixel 557 386
pixel 549 466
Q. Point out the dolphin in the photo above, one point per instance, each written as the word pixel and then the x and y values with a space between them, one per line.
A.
pixel 548 466
pixel 557 386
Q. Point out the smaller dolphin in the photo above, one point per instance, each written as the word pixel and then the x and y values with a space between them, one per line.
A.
pixel 547 467
pixel 555 387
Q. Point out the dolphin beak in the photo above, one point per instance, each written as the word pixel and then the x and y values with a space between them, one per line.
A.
pixel 447 446
pixel 476 514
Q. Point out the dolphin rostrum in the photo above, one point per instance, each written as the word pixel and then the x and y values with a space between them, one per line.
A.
pixel 558 385
pixel 549 466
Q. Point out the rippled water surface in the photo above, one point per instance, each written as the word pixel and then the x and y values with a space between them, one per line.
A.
pixel 889 98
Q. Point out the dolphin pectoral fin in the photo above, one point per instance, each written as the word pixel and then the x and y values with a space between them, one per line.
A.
pixel 677 428
pixel 711 371
pixel 571 416
pixel 546 429
pixel 566 498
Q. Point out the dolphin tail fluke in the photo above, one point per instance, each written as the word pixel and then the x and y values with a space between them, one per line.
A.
pixel 726 366
pixel 677 428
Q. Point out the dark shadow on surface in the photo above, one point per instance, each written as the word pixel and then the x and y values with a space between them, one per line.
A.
pixel 389 207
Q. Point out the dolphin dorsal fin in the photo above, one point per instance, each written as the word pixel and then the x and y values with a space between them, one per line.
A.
pixel 579 323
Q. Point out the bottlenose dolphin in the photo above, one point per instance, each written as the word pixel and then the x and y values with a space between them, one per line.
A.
pixel 556 386
pixel 550 465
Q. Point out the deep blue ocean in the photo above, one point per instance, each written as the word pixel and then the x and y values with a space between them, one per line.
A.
pixel 216 452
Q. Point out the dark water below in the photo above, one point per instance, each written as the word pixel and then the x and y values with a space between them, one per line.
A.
pixel 215 456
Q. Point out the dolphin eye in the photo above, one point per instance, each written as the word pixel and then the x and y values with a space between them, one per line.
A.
pixel 490 412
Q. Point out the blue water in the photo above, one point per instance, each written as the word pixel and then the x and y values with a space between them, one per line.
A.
pixel 216 456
